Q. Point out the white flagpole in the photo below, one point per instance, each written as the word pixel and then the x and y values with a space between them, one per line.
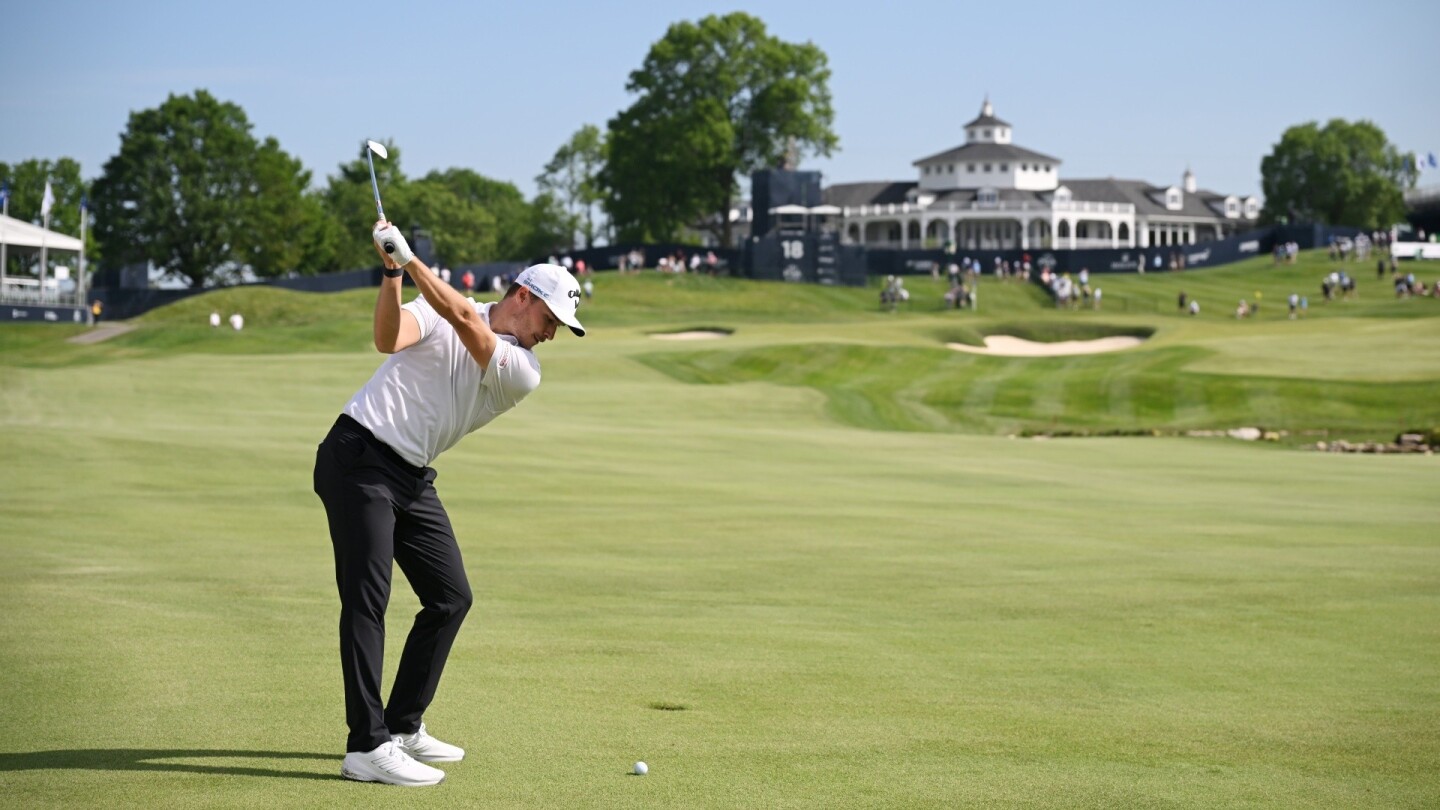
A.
pixel 47 202
pixel 80 292
pixel 4 211
pixel 44 252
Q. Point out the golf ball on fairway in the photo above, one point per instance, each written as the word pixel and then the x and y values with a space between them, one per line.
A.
pixel 641 769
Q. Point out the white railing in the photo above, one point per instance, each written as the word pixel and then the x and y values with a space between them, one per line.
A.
pixel 1085 206
pixel 1089 242
pixel 1077 206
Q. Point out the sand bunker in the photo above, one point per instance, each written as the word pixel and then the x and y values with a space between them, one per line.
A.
pixel 694 334
pixel 1007 346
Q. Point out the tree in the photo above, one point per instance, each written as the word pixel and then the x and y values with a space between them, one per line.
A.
pixel 1341 174
pixel 182 191
pixel 571 177
pixel 287 227
pixel 512 224
pixel 27 188
pixel 717 99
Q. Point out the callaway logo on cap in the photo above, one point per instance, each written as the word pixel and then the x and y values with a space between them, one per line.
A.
pixel 558 289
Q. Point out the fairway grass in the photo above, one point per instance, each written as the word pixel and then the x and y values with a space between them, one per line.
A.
pixel 808 581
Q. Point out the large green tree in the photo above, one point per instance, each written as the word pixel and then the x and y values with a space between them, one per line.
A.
pixel 289 229
pixel 1343 173
pixel 182 193
pixel 572 177
pixel 716 99
pixel 512 218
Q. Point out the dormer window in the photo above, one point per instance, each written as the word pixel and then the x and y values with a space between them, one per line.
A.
pixel 988 196
pixel 1232 208
pixel 1174 200
pixel 1252 208
pixel 1062 195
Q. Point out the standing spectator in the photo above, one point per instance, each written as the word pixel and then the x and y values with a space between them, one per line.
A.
pixel 1294 304
pixel 214 319
pixel 445 275
pixel 95 309
pixel 237 321
pixel 468 279
pixel 1181 301
pixel 1194 306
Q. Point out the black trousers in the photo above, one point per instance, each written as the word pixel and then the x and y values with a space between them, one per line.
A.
pixel 383 509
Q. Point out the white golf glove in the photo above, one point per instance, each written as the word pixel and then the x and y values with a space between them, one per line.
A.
pixel 389 240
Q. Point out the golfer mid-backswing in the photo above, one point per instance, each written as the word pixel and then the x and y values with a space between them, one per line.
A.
pixel 454 366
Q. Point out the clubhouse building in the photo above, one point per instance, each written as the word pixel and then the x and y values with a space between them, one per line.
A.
pixel 990 194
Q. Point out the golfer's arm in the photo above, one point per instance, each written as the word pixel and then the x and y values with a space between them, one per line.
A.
pixel 457 310
pixel 395 329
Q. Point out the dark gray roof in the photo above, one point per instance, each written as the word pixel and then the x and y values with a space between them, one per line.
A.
pixel 853 194
pixel 987 151
pixel 1148 199
pixel 987 121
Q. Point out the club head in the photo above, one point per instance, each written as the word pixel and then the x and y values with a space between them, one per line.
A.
pixel 379 149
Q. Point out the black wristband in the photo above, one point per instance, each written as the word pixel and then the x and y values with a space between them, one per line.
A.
pixel 393 272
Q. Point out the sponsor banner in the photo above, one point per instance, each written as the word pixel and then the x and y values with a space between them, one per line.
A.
pixel 31 313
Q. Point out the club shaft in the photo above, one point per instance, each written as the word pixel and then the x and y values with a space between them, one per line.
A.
pixel 379 211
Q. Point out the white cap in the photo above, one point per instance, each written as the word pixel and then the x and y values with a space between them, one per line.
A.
pixel 555 286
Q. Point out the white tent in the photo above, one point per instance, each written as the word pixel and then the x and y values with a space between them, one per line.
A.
pixel 18 233
pixel 825 209
pixel 789 209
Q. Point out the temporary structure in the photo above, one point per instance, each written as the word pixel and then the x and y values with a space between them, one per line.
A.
pixel 19 234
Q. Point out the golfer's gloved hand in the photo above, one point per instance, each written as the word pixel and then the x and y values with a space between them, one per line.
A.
pixel 399 250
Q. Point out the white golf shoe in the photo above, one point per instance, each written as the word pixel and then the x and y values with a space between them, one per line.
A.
pixel 425 748
pixel 391 765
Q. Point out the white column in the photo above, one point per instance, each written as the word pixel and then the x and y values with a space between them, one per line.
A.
pixel 904 234
pixel 1072 233
pixel 1114 233
pixel 1025 234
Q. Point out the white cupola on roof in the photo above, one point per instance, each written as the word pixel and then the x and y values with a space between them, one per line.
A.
pixel 987 128
pixel 1188 181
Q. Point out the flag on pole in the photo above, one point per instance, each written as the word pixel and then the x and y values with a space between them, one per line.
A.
pixel 4 191
pixel 1433 162
pixel 48 201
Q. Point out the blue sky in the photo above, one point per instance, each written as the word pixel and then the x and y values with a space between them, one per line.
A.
pixel 1124 89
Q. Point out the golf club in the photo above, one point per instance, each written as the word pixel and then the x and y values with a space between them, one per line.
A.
pixel 373 149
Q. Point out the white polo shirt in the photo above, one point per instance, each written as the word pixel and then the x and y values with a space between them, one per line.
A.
pixel 425 398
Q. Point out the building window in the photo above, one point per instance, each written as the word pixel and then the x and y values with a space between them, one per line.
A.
pixel 987 167
pixel 985 133
pixel 970 167
pixel 950 169
pixel 1004 167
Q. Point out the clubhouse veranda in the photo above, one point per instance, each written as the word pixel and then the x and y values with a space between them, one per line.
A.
pixel 991 194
